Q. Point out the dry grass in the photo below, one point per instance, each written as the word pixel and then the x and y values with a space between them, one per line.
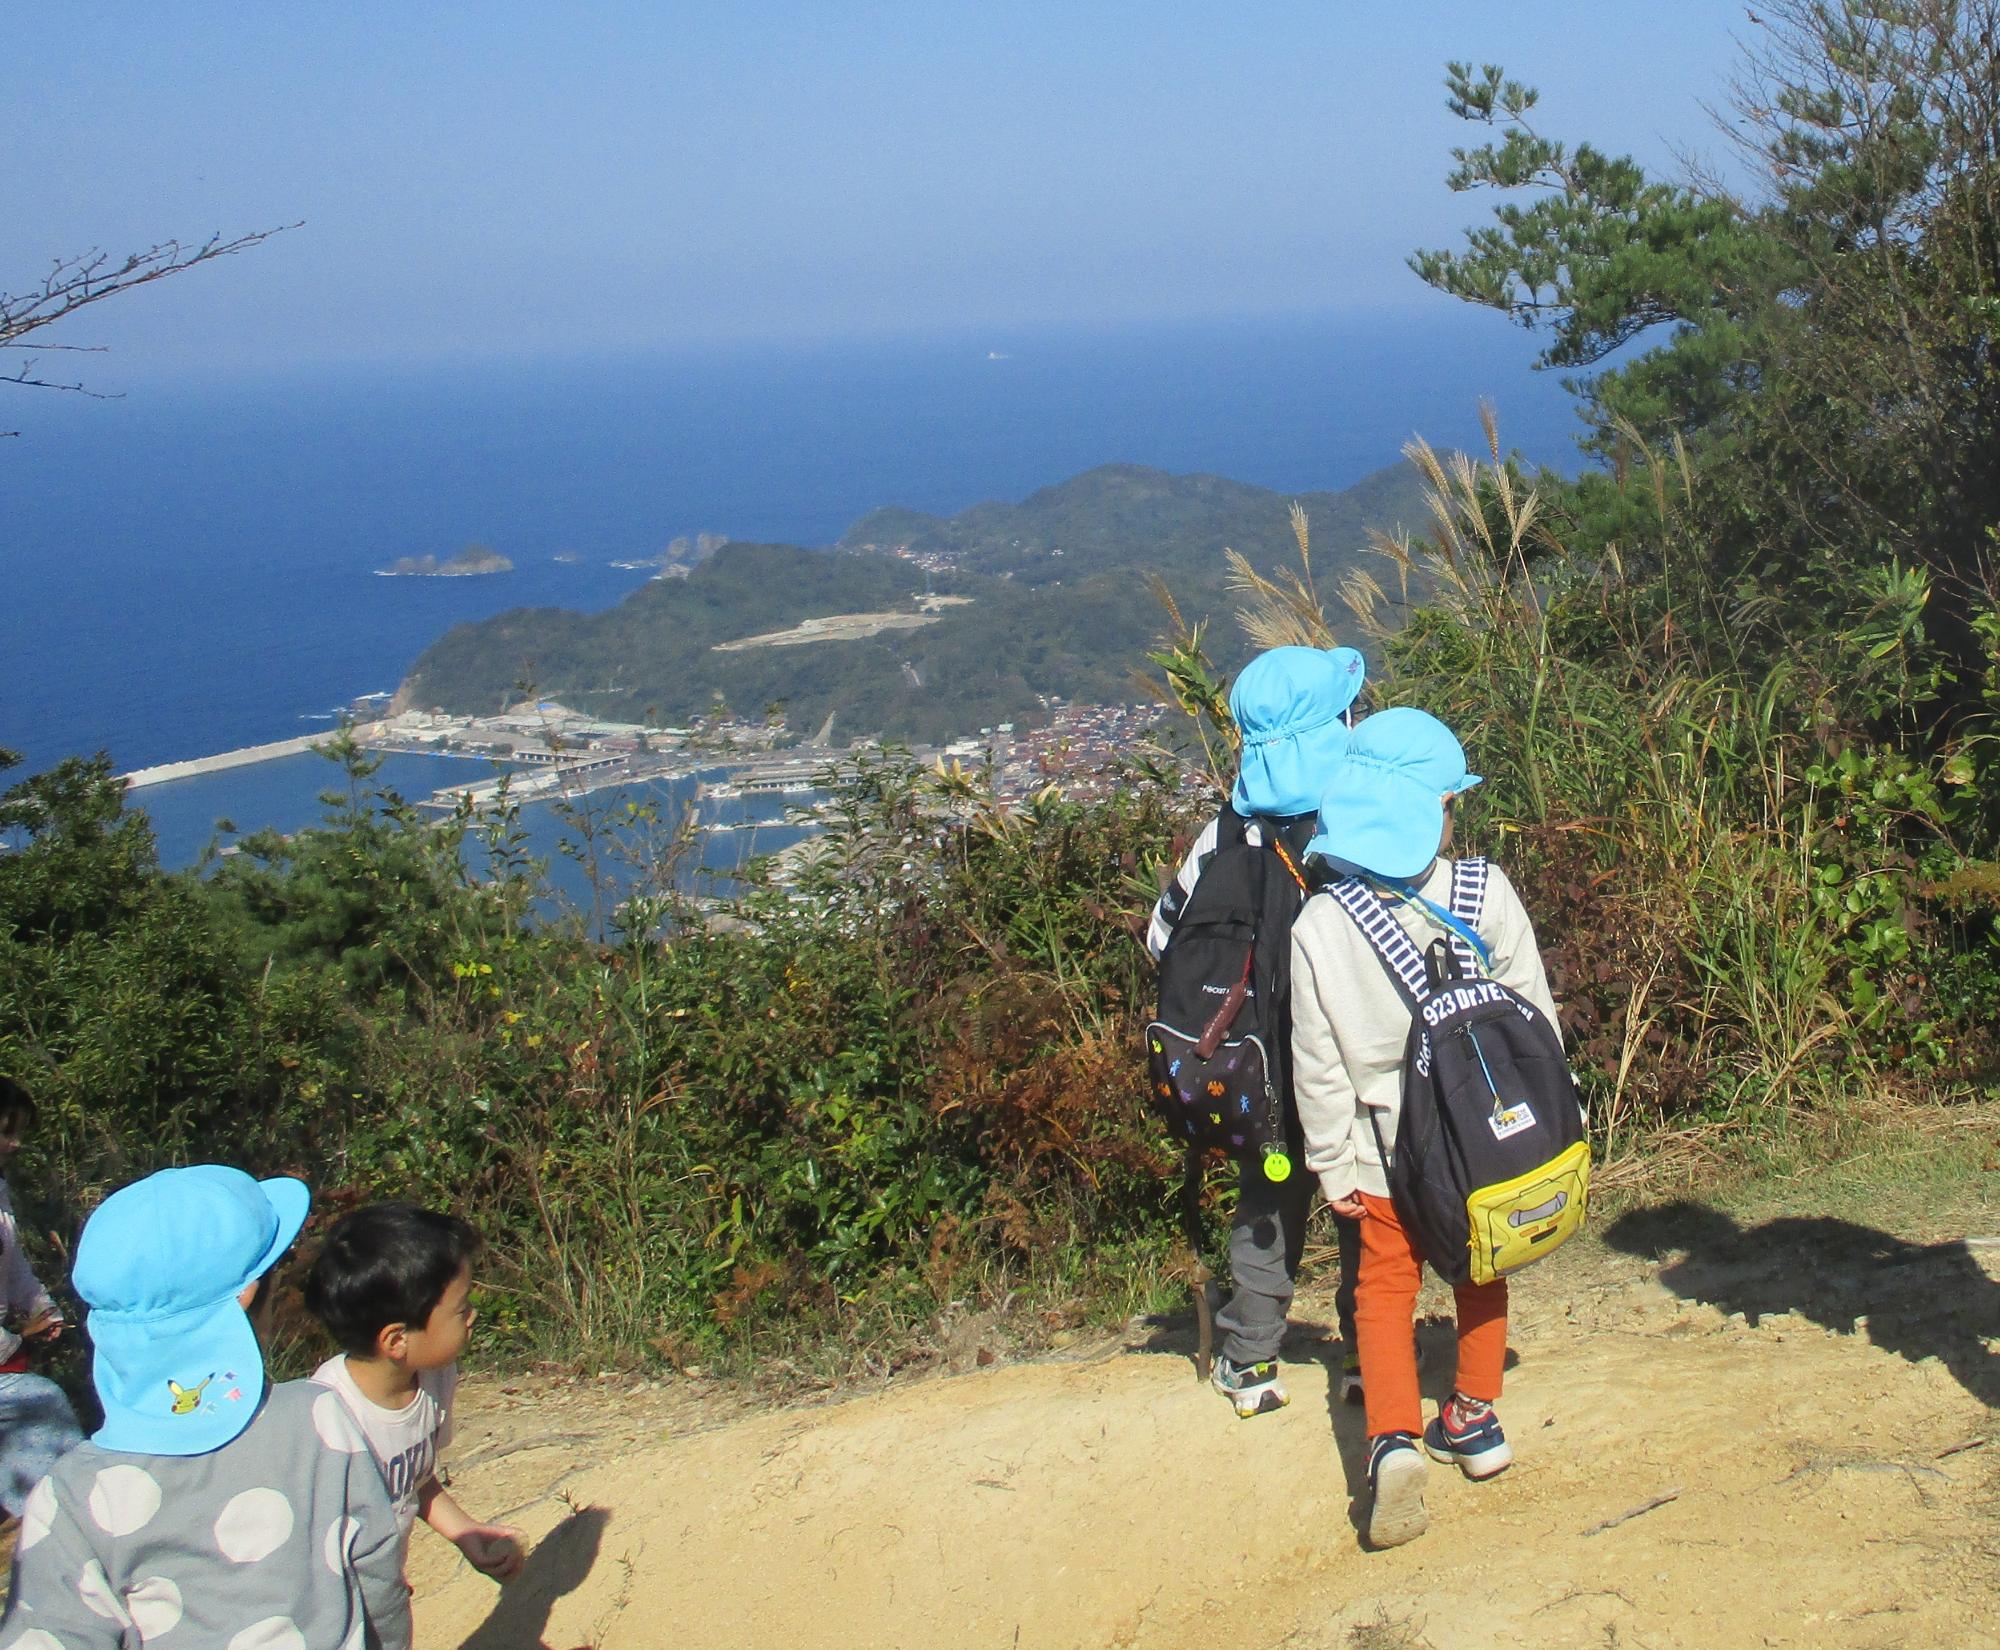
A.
pixel 1890 1157
pixel 1387 1632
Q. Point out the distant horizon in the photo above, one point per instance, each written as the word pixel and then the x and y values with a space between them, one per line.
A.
pixel 637 176
pixel 113 375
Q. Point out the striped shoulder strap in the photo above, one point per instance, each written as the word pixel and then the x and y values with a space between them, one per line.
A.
pixel 1380 928
pixel 1375 918
pixel 1468 904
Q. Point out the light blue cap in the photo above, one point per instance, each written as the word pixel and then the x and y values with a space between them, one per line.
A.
pixel 1421 745
pixel 160 1264
pixel 1383 810
pixel 1289 706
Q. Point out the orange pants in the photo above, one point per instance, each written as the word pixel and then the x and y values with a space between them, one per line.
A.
pixel 1385 1309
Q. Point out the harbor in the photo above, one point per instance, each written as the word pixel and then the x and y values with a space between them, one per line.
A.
pixel 546 751
pixel 730 782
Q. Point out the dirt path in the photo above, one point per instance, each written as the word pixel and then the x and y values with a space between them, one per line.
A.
pixel 1107 1499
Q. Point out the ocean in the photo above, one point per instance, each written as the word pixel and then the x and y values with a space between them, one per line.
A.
pixel 292 793
pixel 189 568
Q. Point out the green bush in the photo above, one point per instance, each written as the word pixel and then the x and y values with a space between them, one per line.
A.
pixel 906 1073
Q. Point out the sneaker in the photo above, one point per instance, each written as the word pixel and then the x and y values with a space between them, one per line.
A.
pixel 1396 1475
pixel 1253 1388
pixel 1350 1376
pixel 1468 1433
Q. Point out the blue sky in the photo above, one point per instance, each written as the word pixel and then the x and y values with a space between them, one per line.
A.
pixel 515 180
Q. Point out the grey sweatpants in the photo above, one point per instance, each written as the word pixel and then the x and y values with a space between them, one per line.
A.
pixel 1266 1237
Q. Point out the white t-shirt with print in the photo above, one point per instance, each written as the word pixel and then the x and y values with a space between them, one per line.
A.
pixel 405 1442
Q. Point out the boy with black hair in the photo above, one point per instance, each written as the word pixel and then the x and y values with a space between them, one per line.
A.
pixel 209 1506
pixel 37 1425
pixel 393 1285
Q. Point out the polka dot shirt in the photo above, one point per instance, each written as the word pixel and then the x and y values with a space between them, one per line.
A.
pixel 283 1539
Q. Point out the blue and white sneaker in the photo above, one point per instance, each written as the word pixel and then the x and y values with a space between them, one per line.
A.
pixel 1253 1388
pixel 1468 1433
pixel 1396 1511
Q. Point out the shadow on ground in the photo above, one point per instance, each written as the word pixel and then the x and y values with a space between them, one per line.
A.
pixel 1917 1300
pixel 560 1564
pixel 1174 1335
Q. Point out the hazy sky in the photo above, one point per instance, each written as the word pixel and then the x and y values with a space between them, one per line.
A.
pixel 510 179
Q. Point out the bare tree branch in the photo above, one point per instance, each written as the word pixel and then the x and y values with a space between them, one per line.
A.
pixel 72 283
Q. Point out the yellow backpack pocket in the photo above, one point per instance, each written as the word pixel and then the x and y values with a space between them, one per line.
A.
pixel 1519 1221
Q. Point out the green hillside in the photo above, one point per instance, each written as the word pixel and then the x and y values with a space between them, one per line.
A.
pixel 1119 515
pixel 1059 605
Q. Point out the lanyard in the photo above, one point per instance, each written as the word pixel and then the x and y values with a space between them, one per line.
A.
pixel 1450 919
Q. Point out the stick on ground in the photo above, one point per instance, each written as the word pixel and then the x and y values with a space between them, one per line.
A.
pixel 1673 1494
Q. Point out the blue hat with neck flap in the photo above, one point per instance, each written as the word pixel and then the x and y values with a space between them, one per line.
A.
pixel 1290 706
pixel 160 1265
pixel 1383 809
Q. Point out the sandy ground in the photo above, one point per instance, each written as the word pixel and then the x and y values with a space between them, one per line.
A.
pixel 1804 1396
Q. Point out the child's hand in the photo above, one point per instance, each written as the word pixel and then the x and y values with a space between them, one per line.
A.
pixel 1349 1207
pixel 43 1326
pixel 493 1550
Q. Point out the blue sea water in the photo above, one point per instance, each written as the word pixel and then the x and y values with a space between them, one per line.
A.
pixel 189 569
pixel 300 791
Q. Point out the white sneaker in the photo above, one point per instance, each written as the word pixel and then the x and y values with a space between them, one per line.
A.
pixel 1253 1388
pixel 1396 1512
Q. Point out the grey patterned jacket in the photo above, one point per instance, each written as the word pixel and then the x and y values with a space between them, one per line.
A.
pixel 283 1539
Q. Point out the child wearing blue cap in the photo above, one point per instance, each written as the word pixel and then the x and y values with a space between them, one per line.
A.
pixel 207 1506
pixel 1387 815
pixel 1293 708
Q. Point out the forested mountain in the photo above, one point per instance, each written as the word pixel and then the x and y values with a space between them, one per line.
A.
pixel 1121 515
pixel 1057 603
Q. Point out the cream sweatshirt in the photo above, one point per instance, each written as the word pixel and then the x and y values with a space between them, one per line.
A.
pixel 1350 1024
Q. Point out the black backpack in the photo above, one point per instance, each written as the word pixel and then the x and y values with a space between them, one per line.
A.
pixel 1491 1169
pixel 1218 1055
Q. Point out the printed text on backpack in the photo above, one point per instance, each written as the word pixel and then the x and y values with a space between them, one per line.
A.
pixel 1491 1167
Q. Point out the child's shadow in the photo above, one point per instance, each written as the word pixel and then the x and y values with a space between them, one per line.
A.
pixel 1915 1300
pixel 558 1566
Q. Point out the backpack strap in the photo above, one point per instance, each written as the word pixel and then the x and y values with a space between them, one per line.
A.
pixel 1468 887
pixel 1398 952
pixel 1469 949
pixel 1380 928
pixel 1468 904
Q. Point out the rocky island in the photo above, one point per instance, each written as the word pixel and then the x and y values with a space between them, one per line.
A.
pixel 473 560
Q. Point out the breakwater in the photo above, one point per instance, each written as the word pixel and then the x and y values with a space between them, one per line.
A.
pixel 165 772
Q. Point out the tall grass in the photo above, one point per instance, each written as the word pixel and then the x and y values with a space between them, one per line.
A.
pixel 1726 840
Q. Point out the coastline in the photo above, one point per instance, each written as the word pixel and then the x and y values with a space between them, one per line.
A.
pixel 719 778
